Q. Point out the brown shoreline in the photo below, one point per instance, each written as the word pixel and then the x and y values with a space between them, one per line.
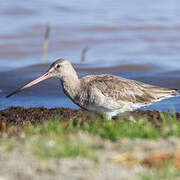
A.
pixel 20 116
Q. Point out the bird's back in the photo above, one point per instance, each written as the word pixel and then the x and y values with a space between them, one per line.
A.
pixel 117 92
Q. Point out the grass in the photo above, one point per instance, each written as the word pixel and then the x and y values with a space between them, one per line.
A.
pixel 48 140
pixel 142 128
pixel 45 44
pixel 6 146
pixel 51 140
pixel 58 139
pixel 165 173
pixel 83 54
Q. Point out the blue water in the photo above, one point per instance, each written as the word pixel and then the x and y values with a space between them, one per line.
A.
pixel 118 32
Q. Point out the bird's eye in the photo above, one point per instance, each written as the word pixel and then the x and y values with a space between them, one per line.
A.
pixel 58 66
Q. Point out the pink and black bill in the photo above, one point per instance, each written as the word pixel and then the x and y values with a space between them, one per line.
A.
pixel 41 78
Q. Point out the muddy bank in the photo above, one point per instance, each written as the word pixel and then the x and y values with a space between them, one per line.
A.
pixel 20 116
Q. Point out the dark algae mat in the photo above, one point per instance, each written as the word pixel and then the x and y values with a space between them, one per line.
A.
pixel 20 116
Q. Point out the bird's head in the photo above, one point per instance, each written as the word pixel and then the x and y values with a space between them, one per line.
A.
pixel 59 68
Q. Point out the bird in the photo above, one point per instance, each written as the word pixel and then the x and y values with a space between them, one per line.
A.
pixel 105 93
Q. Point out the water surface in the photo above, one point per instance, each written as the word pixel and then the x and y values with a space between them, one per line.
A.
pixel 135 39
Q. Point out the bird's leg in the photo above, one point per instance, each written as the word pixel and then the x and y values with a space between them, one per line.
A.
pixel 129 116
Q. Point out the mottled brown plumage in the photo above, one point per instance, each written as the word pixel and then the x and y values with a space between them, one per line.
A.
pixel 104 93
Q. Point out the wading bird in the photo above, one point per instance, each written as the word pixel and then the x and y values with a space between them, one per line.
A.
pixel 104 93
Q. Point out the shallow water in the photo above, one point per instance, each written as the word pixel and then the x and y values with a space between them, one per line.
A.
pixel 138 40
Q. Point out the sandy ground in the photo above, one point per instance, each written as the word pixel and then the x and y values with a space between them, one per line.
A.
pixel 20 164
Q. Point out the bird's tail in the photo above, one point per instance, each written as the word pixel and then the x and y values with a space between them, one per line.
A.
pixel 163 93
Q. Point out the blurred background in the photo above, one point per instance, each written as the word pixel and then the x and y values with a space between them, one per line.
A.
pixel 136 39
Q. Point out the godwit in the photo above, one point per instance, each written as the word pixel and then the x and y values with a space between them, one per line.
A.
pixel 104 93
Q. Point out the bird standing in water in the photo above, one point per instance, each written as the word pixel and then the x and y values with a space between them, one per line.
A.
pixel 104 93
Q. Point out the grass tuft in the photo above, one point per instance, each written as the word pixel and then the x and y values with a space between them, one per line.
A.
pixel 53 141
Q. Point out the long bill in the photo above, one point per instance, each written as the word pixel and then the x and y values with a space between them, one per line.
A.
pixel 41 78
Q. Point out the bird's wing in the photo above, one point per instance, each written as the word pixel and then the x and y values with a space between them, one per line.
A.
pixel 125 90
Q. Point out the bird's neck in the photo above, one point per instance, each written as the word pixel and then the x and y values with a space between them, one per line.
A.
pixel 71 84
